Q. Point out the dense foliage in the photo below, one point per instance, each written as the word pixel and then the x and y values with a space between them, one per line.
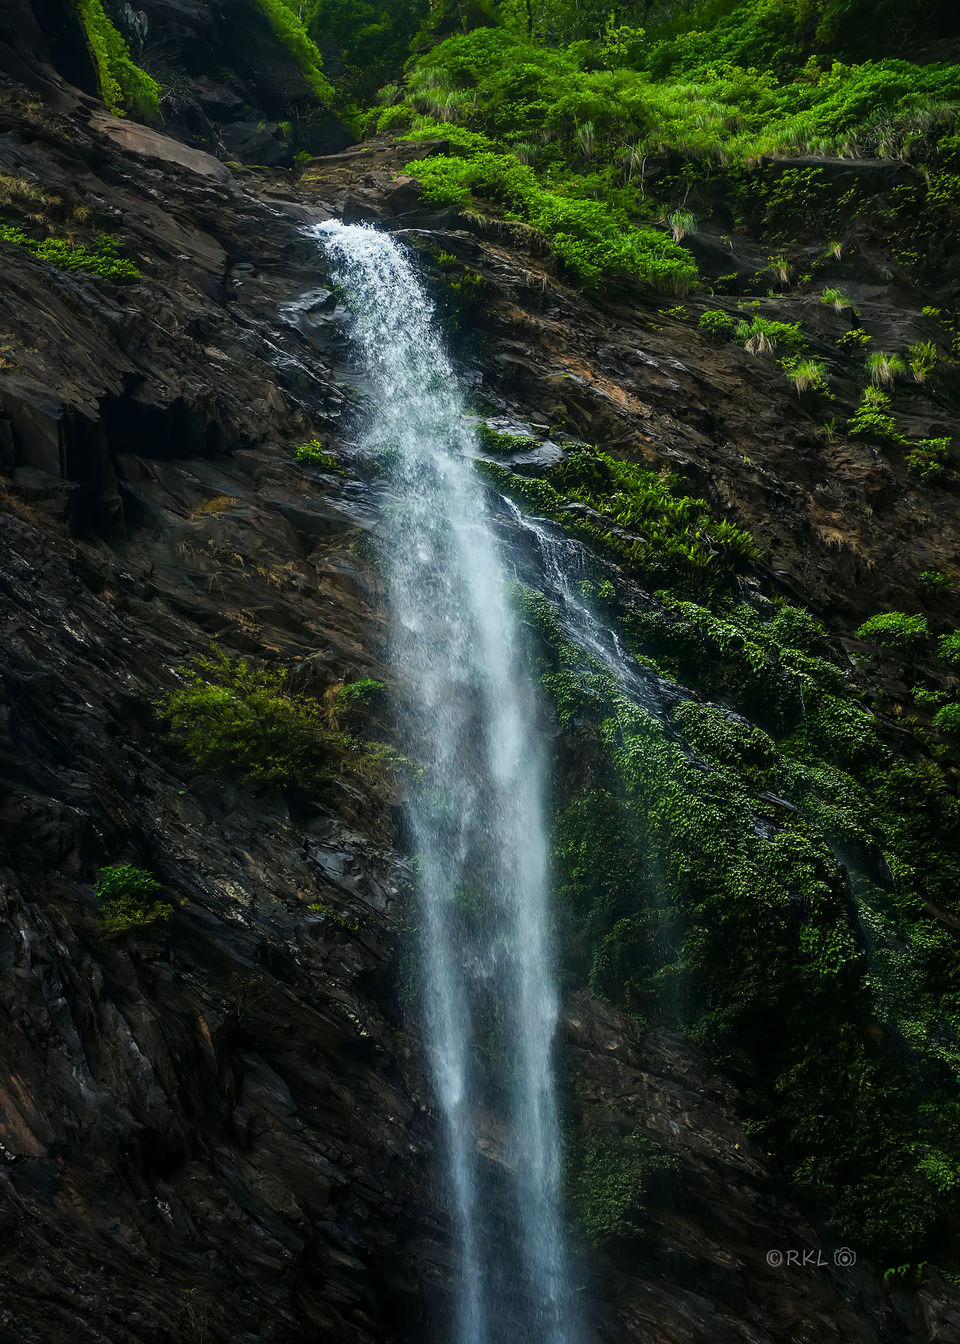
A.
pixel 124 87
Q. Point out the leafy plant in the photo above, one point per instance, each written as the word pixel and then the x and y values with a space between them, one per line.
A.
pixel 835 298
pixel 927 457
pixel 610 1181
pixel 716 323
pixel 853 340
pixel 947 718
pixel 872 419
pixel 948 648
pixel 681 223
pixel 895 630
pixel 233 716
pixel 313 454
pixel 128 900
pixel 102 258
pixel 884 368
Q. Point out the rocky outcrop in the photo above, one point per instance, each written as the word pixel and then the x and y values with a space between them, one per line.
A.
pixel 217 1129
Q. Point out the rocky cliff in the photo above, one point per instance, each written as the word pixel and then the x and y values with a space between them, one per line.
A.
pixel 216 1128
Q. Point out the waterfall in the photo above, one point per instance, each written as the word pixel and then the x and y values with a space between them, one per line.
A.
pixel 476 814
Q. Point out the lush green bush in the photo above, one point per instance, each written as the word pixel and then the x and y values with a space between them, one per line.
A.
pixel 872 420
pixel 102 259
pixel 884 368
pixel 895 630
pixel 124 87
pixel 235 717
pixel 927 457
pixel 591 238
pixel 128 900
pixel 313 454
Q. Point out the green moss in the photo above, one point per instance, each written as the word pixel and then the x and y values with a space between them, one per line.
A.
pixel 701 868
pixel 124 87
pixel 101 259
pixel 128 900
pixel 289 28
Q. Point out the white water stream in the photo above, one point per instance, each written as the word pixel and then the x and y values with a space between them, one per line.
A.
pixel 476 817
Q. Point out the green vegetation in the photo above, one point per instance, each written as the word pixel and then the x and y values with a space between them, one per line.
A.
pixel 497 441
pixel 948 648
pixel 124 87
pixel 362 693
pixel 127 897
pixel 884 368
pixel 928 457
pixel 835 298
pixel 235 717
pixel 922 357
pixel 610 1177
pixel 895 630
pixel 591 238
pixel 872 420
pixel 102 258
pixel 947 719
pixel 807 375
pixel 701 867
pixel 853 340
pixel 313 454
pixel 634 515
pixel 288 27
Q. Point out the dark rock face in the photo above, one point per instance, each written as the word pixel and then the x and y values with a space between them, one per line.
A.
pixel 218 1130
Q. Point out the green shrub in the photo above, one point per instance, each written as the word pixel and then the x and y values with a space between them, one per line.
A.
pixel 715 322
pixel 935 580
pixel 895 630
pixel 762 335
pixel 231 716
pixel 102 258
pixel 947 719
pixel 871 419
pixel 927 457
pixel 610 1182
pixel 853 340
pixel 922 358
pixel 884 368
pixel 123 85
pixel 948 647
pixel 591 238
pixel 128 899
pixel 313 454
pixel 363 692
pixel 836 298
pixel 807 375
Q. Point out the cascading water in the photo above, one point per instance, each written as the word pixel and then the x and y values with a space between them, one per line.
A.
pixel 476 815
